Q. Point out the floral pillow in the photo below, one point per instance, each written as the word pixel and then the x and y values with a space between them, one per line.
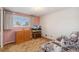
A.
pixel 73 38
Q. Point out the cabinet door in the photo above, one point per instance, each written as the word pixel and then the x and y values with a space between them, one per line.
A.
pixel 28 35
pixel 19 37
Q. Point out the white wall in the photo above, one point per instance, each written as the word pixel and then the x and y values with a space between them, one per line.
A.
pixel 61 22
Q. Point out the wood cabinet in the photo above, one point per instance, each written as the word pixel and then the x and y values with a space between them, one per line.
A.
pixel 36 33
pixel 22 36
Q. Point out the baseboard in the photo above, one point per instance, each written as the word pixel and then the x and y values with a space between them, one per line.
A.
pixel 9 42
pixel 48 38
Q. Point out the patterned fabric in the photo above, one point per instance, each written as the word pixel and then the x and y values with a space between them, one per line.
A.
pixel 69 44
pixel 51 47
pixel 74 40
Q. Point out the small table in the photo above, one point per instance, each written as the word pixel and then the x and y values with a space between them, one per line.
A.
pixel 36 33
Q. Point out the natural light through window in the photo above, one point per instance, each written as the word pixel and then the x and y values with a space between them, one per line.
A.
pixel 20 21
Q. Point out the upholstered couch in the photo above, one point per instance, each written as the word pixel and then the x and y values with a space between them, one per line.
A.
pixel 62 44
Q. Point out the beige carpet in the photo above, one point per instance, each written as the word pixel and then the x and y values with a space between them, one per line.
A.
pixel 28 46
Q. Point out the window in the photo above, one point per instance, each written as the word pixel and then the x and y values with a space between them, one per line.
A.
pixel 20 21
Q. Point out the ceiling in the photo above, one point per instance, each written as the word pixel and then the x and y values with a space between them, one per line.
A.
pixel 35 11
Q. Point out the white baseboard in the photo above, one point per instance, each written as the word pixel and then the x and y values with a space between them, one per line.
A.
pixel 49 38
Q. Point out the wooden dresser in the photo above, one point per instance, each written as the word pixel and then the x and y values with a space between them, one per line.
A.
pixel 23 35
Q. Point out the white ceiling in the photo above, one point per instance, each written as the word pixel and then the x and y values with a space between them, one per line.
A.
pixel 31 11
